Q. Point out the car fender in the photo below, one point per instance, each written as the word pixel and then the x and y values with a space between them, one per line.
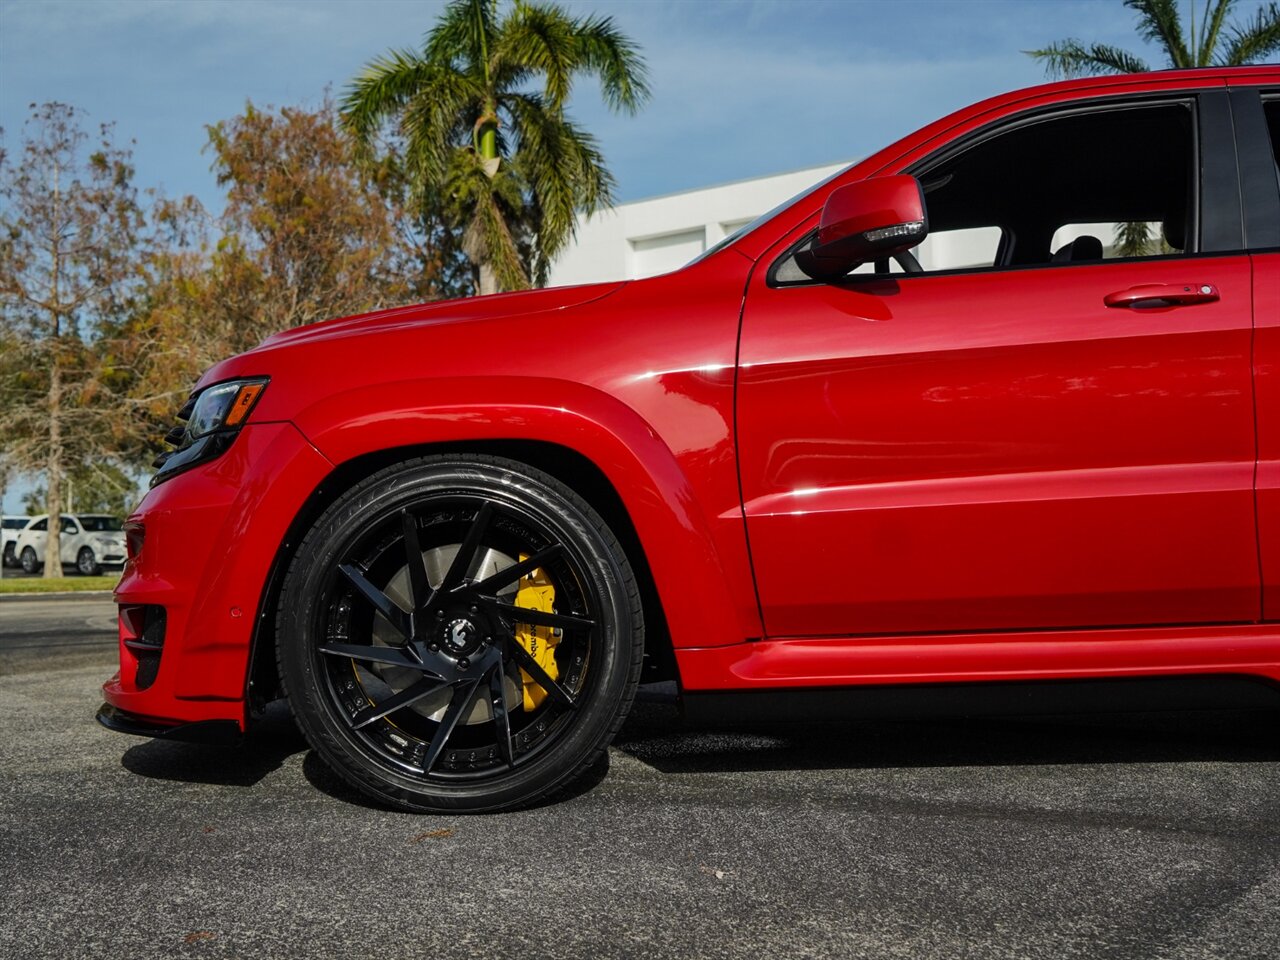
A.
pixel 674 532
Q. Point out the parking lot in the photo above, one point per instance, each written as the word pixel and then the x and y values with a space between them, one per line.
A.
pixel 1151 836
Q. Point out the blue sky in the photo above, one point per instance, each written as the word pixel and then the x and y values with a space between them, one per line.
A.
pixel 741 87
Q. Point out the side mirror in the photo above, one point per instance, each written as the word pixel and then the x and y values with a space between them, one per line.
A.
pixel 866 220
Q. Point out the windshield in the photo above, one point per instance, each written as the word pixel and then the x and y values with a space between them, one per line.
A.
pixel 764 218
pixel 101 524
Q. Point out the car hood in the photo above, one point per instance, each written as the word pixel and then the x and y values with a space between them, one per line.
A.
pixel 463 310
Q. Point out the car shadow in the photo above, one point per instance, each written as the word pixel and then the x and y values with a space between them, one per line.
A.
pixel 274 738
pixel 656 735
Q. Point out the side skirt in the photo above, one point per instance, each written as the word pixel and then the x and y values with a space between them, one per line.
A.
pixel 1212 692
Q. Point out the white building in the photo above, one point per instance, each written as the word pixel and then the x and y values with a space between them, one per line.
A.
pixel 648 237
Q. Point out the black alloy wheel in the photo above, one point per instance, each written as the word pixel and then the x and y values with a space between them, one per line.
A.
pixel 87 563
pixel 460 633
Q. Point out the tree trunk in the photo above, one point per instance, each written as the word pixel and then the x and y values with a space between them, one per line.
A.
pixel 488 280
pixel 53 539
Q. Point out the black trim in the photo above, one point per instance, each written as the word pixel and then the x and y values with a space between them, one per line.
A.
pixel 1221 223
pixel 215 732
pixel 1259 185
pixel 1040 697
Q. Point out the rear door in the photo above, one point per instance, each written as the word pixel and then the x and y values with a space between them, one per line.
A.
pixel 988 444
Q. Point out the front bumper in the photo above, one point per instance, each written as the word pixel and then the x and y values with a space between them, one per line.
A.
pixel 210 537
pixel 218 732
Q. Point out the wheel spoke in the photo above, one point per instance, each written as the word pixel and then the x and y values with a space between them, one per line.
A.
pixel 464 695
pixel 419 589
pixel 410 694
pixel 513 573
pixel 465 556
pixel 537 618
pixel 381 602
pixel 534 669
pixel 392 655
pixel 501 722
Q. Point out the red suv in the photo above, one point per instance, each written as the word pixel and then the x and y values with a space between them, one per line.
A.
pixel 990 419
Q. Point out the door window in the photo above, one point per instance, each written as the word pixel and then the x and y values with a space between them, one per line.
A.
pixel 1110 183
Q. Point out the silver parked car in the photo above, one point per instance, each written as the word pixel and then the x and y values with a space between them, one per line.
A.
pixel 9 529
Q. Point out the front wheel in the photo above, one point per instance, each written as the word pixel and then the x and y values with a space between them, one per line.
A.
pixel 460 633
pixel 29 561
pixel 87 563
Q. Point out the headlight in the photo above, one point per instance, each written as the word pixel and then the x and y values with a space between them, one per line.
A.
pixel 213 418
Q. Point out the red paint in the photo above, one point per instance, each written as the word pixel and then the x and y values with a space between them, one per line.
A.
pixel 1036 452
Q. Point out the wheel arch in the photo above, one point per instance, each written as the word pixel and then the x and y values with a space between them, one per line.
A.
pixel 567 465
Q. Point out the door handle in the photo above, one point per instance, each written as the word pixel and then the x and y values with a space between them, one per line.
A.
pixel 1163 295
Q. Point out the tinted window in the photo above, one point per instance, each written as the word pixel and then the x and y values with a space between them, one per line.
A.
pixel 1084 186
pixel 101 524
pixel 69 525
pixel 1272 109
pixel 40 525
pixel 1125 173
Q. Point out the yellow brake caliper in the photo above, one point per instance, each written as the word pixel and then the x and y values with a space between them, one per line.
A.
pixel 537 593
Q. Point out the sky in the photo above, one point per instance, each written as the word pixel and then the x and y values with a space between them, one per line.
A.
pixel 741 88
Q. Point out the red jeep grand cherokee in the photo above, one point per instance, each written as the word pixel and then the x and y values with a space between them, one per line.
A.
pixel 927 438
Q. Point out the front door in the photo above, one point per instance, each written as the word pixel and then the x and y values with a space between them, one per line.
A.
pixel 1012 438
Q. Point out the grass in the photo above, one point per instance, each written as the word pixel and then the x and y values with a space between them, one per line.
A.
pixel 57 584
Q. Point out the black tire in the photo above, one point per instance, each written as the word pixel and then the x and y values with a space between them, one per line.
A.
pixel 87 564
pixel 10 559
pixel 29 561
pixel 444 709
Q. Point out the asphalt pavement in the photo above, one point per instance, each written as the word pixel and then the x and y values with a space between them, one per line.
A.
pixel 1153 836
pixel 39 632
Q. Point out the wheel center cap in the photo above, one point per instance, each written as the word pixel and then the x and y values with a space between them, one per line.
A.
pixel 461 637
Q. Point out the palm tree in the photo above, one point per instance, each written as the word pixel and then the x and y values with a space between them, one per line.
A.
pixel 499 157
pixel 1220 44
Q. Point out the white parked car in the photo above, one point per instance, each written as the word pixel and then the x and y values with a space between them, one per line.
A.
pixel 89 543
pixel 9 529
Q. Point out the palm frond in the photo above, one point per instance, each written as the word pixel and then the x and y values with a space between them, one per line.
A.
pixel 1212 21
pixel 538 39
pixel 438 118
pixel 380 91
pixel 1071 58
pixel 606 50
pixel 1253 40
pixel 564 168
pixel 462 34
pixel 1132 239
pixel 484 207
pixel 1158 23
